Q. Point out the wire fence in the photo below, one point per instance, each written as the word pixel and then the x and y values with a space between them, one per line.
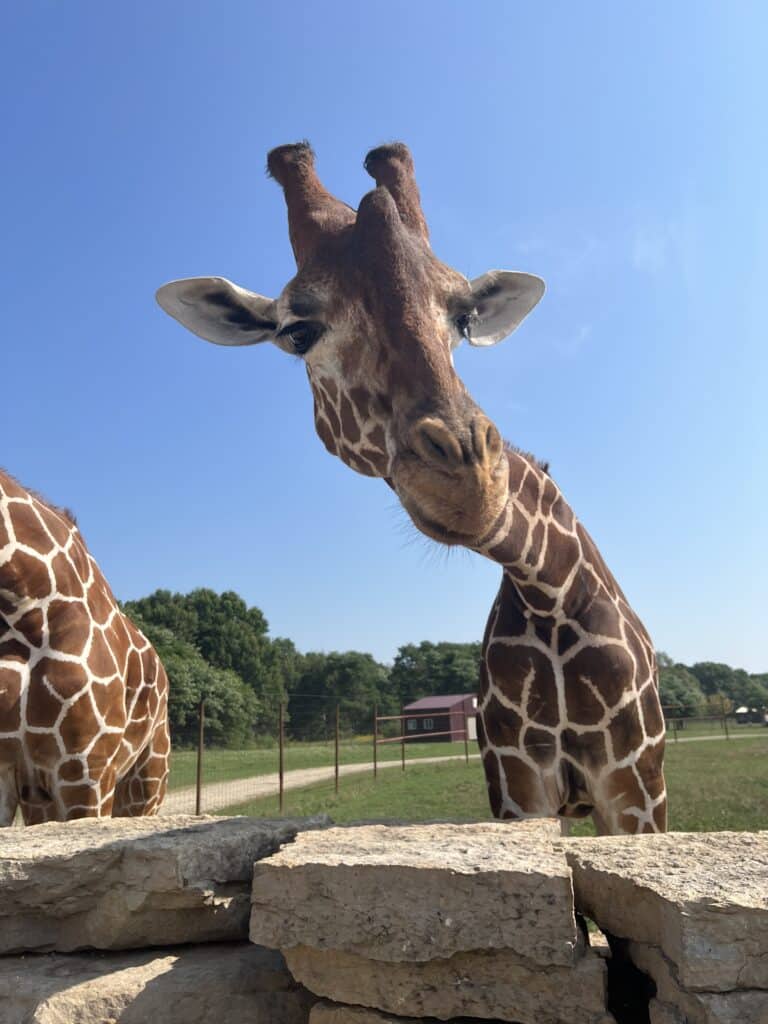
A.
pixel 319 741
pixel 725 723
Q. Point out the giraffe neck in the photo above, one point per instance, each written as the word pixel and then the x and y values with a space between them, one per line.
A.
pixel 543 548
pixel 569 714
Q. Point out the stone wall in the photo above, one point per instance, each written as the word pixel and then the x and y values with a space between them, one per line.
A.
pixel 79 904
pixel 150 919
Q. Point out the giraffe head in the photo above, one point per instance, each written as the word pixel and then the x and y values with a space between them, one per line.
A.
pixel 375 316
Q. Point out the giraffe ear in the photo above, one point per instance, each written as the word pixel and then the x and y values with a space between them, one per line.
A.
pixel 219 311
pixel 503 299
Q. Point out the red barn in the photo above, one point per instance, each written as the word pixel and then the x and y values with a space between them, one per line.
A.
pixel 443 717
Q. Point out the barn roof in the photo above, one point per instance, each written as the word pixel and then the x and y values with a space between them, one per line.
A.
pixel 442 702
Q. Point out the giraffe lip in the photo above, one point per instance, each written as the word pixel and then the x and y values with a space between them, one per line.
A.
pixel 439 532
pixel 438 527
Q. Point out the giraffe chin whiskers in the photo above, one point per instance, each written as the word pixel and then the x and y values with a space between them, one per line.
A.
pixel 441 520
pixel 432 553
pixel 456 508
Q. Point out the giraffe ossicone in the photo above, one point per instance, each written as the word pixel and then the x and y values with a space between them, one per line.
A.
pixel 569 716
pixel 83 695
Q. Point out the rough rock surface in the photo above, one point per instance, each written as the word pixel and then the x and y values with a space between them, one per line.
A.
pixel 241 983
pixel 538 828
pixel 498 985
pixel 118 883
pixel 418 893
pixel 702 898
pixel 339 1013
pixel 674 1005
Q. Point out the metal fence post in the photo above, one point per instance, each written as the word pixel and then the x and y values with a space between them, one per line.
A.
pixel 281 755
pixel 725 719
pixel 375 739
pixel 336 752
pixel 200 736
pixel 466 737
pixel 402 739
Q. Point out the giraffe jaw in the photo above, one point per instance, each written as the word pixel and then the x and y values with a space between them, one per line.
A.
pixel 455 510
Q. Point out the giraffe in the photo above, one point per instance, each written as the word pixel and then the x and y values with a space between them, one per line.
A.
pixel 569 716
pixel 83 695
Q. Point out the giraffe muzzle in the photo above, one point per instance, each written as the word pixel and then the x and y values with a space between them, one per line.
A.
pixel 453 479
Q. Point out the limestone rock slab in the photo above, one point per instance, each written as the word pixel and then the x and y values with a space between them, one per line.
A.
pixel 240 983
pixel 338 1013
pixel 418 892
pixel 324 1012
pixel 538 828
pixel 674 1005
pixel 702 898
pixel 118 883
pixel 497 985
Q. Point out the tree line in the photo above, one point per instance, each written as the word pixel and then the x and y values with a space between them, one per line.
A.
pixel 215 647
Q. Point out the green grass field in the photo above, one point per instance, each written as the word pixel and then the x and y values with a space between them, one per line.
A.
pixel 713 786
pixel 224 765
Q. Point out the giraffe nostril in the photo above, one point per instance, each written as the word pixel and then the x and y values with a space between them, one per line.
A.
pixel 486 440
pixel 436 448
pixel 435 444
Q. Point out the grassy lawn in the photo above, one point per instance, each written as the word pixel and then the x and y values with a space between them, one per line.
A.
pixel 223 765
pixel 712 787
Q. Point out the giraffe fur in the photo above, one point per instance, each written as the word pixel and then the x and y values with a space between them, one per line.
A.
pixel 83 695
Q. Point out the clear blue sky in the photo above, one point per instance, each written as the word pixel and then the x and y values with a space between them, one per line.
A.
pixel 617 150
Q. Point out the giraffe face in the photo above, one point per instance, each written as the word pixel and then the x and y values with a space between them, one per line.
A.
pixel 375 317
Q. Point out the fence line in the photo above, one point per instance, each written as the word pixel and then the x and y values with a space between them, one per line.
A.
pixel 218 780
pixel 223 778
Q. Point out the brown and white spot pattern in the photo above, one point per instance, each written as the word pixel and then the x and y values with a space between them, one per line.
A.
pixel 569 713
pixel 83 695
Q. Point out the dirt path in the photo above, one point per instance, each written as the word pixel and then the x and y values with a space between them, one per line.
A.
pixel 218 795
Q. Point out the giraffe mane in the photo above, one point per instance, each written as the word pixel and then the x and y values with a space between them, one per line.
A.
pixel 62 510
pixel 536 462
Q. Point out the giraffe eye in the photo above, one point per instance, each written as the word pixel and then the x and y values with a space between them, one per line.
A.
pixel 465 322
pixel 302 334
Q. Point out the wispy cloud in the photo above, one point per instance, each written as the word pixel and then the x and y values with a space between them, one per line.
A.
pixel 654 246
pixel 570 346
pixel 569 258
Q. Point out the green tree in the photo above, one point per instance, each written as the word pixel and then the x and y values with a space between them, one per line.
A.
pixel 714 677
pixel 429 669
pixel 228 635
pixel 718 704
pixel 739 686
pixel 353 680
pixel 679 689
pixel 162 608
pixel 231 707
pixel 748 692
